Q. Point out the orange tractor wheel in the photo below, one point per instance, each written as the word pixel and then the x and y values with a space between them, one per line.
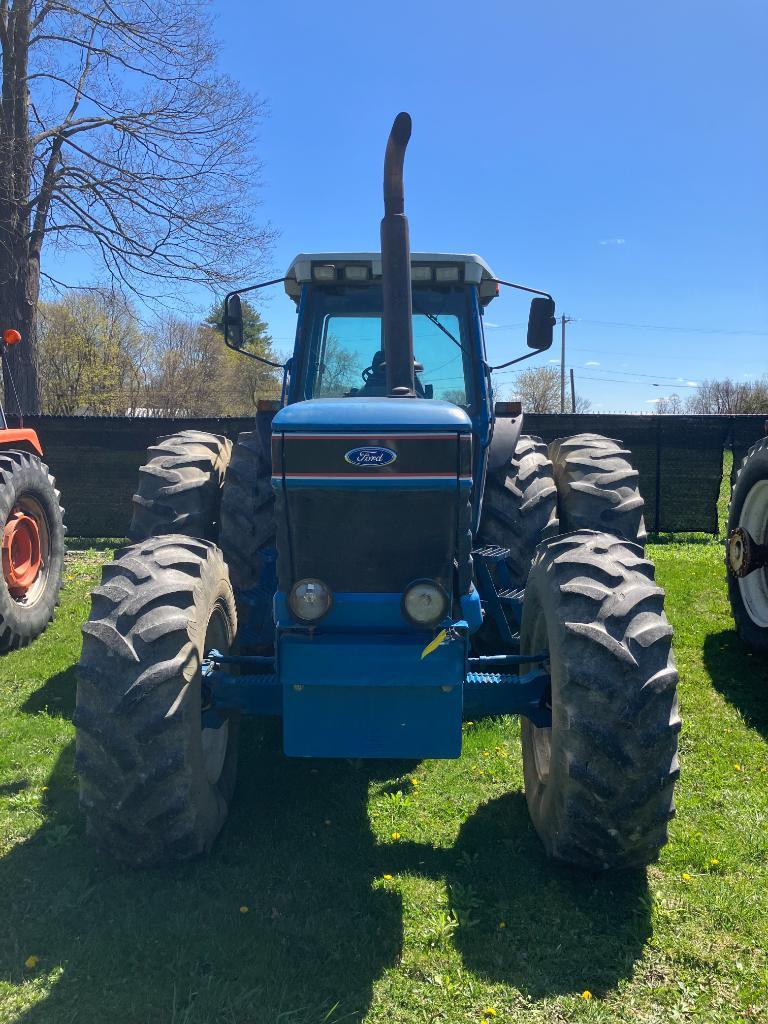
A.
pixel 32 547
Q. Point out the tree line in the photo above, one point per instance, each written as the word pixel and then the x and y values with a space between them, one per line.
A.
pixel 96 357
pixel 720 397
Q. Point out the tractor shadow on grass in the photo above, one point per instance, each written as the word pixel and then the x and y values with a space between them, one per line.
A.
pixel 321 927
pixel 740 675
pixel 523 920
pixel 173 945
pixel 55 697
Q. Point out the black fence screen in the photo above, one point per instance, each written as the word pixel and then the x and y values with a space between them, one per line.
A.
pixel 96 460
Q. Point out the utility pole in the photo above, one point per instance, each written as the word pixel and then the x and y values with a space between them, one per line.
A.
pixel 573 393
pixel 563 321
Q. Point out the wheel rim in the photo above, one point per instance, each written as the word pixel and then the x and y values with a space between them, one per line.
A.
pixel 754 519
pixel 26 551
pixel 541 736
pixel 216 741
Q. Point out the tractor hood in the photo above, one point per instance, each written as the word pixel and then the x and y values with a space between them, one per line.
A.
pixel 336 415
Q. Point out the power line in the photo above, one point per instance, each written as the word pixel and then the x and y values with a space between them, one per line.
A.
pixel 648 327
pixel 663 327
pixel 638 373
pixel 614 380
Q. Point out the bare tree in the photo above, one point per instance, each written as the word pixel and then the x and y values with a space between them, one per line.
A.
pixel 538 388
pixel 670 405
pixel 183 369
pixel 120 137
pixel 728 397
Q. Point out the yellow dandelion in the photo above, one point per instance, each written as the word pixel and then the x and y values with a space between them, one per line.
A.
pixel 414 782
pixel 737 767
pixel 469 723
pixel 586 994
pixel 481 772
pixel 387 878
pixel 244 910
pixel 31 962
pixel 395 835
pixel 489 1011
pixel 502 924
pixel 485 753
pixel 685 876
pixel 44 789
pixel 714 860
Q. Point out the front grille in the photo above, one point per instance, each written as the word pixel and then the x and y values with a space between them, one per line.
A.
pixel 369 528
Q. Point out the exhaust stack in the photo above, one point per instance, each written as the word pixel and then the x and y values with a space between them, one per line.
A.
pixel 396 323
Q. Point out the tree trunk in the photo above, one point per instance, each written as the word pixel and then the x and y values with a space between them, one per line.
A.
pixel 19 260
pixel 18 305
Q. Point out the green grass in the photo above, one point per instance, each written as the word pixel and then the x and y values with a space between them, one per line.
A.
pixel 473 916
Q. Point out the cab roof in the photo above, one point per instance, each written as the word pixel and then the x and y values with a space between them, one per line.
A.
pixel 471 269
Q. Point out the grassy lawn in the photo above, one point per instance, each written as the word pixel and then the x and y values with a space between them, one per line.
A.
pixel 392 892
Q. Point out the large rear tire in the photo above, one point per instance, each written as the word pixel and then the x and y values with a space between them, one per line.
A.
pixel 519 506
pixel 155 785
pixel 597 487
pixel 32 523
pixel 180 486
pixel 600 782
pixel 748 594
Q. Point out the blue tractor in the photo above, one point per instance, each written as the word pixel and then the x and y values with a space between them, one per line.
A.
pixel 384 555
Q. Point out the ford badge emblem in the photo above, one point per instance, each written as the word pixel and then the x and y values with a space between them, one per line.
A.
pixel 370 456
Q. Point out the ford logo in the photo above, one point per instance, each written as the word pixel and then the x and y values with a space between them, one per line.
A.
pixel 371 456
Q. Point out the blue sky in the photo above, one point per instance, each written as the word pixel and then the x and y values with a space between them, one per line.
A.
pixel 615 155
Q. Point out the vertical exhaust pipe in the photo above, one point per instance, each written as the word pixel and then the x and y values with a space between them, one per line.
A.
pixel 396 323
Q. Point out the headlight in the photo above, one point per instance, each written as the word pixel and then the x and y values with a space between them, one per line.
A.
pixel 425 603
pixel 309 600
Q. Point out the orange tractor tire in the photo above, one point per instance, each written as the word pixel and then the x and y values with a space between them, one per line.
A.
pixel 32 548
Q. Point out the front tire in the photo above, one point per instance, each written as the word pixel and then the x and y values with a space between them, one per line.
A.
pixel 599 784
pixel 155 785
pixel 32 522
pixel 748 595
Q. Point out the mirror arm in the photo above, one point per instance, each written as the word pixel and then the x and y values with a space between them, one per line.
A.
pixel 225 322
pixel 528 355
pixel 520 288
pixel 250 355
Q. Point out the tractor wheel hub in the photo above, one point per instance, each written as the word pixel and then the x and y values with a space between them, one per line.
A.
pixel 21 552
pixel 745 554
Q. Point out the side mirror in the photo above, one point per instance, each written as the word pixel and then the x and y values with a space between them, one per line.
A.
pixel 233 321
pixel 541 321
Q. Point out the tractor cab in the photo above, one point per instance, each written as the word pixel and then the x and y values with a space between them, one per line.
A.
pixel 340 348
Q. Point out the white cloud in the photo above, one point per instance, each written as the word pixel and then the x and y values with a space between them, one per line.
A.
pixel 613 241
pixel 692 383
pixel 487 324
pixel 592 363
pixel 653 401
pixel 555 361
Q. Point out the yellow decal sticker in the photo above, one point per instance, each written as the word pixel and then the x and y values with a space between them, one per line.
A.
pixel 434 644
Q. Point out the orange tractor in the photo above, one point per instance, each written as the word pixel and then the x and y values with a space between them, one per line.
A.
pixel 33 530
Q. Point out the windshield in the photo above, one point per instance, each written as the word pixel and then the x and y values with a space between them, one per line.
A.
pixel 343 353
